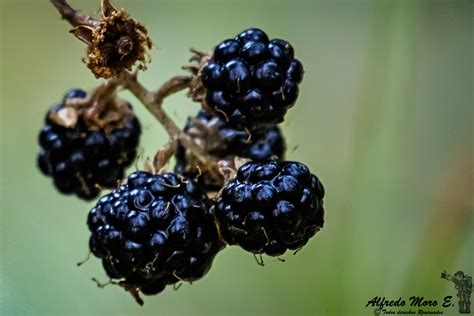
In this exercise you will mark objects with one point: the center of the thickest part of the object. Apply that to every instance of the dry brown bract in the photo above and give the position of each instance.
(197, 91)
(115, 43)
(101, 110)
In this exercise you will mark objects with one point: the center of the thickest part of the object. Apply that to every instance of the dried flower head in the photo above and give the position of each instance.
(115, 43)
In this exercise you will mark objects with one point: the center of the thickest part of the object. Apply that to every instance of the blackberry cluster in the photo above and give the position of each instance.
(154, 231)
(80, 160)
(252, 81)
(229, 141)
(271, 207)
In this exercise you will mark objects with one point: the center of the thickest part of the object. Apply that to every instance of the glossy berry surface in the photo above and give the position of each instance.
(154, 231)
(270, 207)
(257, 146)
(252, 81)
(80, 160)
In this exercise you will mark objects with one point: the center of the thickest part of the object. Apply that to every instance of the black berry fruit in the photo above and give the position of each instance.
(154, 231)
(222, 141)
(270, 207)
(252, 81)
(80, 160)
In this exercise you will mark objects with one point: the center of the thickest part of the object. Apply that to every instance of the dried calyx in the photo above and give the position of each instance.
(114, 44)
(197, 91)
(101, 110)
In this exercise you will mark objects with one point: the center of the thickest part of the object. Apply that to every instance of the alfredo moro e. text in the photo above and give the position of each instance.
(414, 301)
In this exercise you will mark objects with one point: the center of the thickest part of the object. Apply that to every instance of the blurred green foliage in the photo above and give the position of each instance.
(385, 118)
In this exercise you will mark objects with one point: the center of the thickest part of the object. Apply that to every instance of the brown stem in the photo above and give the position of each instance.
(72, 16)
(102, 95)
(154, 101)
(171, 86)
(151, 101)
(83, 26)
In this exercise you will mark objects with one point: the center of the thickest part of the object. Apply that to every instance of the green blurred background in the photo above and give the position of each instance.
(385, 118)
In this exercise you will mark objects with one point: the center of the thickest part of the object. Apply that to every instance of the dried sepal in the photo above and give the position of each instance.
(163, 156)
(148, 166)
(197, 91)
(107, 8)
(83, 33)
(207, 135)
(107, 115)
(66, 117)
(239, 162)
(102, 109)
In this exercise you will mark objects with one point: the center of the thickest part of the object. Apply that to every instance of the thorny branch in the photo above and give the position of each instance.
(151, 100)
(72, 16)
(77, 20)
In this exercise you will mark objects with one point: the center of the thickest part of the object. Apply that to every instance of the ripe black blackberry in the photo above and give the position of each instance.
(81, 160)
(252, 81)
(271, 207)
(223, 141)
(154, 231)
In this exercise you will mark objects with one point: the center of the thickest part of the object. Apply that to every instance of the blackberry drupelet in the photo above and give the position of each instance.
(81, 160)
(252, 81)
(270, 207)
(154, 231)
(74, 93)
(224, 141)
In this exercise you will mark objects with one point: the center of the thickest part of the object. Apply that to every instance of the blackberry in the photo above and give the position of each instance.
(252, 81)
(74, 93)
(81, 160)
(270, 207)
(154, 231)
(224, 141)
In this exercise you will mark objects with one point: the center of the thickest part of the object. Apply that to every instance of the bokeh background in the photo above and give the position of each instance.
(385, 118)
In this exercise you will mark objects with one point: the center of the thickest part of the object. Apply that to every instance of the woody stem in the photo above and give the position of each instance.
(102, 95)
(151, 100)
(72, 16)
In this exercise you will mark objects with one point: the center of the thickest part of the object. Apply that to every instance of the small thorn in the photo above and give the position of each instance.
(178, 277)
(80, 263)
(199, 172)
(282, 94)
(266, 236)
(259, 259)
(176, 286)
(102, 285)
(237, 230)
(249, 138)
(225, 115)
(297, 250)
(133, 291)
